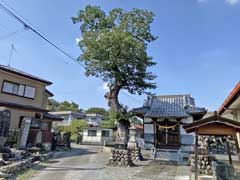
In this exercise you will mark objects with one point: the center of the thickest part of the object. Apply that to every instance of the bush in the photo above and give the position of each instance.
(74, 137)
(74, 128)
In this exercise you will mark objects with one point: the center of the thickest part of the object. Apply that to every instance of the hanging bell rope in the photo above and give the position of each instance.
(168, 127)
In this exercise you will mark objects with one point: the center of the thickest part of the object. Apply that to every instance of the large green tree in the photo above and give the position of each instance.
(54, 105)
(114, 48)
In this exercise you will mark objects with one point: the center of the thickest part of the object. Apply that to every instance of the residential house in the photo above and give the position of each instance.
(97, 135)
(94, 119)
(163, 118)
(231, 105)
(68, 117)
(25, 96)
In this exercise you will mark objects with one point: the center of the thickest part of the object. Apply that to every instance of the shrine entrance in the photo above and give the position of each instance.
(167, 134)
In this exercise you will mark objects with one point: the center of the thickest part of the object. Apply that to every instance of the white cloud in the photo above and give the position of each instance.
(105, 87)
(232, 2)
(77, 40)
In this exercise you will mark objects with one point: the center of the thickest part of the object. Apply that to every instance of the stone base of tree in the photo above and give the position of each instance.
(136, 154)
(120, 157)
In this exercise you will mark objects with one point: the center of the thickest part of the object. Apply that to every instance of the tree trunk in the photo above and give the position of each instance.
(112, 97)
(123, 125)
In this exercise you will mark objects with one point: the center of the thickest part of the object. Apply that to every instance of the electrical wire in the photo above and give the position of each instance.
(12, 34)
(28, 26)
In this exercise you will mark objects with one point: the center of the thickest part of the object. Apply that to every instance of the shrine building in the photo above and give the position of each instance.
(163, 119)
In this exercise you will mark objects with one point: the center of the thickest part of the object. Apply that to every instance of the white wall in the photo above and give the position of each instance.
(98, 139)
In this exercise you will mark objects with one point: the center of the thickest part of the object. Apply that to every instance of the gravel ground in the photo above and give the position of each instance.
(89, 163)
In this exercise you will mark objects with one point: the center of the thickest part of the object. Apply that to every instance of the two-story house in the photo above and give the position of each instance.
(25, 96)
(68, 117)
(94, 119)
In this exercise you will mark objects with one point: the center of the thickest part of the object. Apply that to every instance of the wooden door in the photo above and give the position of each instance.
(168, 137)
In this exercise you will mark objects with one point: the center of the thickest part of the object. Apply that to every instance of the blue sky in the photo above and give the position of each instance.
(198, 49)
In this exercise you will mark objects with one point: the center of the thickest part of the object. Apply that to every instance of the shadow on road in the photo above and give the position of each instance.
(75, 151)
(68, 168)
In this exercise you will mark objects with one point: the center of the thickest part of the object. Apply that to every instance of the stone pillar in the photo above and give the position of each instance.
(24, 131)
(135, 151)
(132, 143)
(5, 117)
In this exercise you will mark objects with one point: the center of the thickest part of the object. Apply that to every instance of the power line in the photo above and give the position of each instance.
(12, 34)
(28, 26)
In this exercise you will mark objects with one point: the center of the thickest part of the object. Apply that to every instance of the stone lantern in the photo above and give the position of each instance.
(132, 143)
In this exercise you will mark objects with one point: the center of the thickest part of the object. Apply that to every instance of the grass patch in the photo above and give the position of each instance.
(29, 172)
(25, 174)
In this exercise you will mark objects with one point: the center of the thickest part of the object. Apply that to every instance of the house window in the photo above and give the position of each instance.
(105, 133)
(92, 133)
(18, 89)
(29, 92)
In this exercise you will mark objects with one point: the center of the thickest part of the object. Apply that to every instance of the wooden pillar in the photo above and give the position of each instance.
(155, 133)
(196, 154)
(229, 151)
(237, 144)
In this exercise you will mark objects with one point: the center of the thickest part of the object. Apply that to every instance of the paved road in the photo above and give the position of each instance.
(89, 163)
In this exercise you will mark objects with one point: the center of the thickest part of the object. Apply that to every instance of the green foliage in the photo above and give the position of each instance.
(122, 114)
(97, 110)
(109, 123)
(74, 127)
(12, 139)
(54, 105)
(74, 137)
(114, 47)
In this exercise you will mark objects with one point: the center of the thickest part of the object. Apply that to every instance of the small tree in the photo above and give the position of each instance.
(97, 110)
(114, 48)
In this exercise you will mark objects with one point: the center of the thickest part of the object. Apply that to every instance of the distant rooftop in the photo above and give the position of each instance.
(167, 106)
(23, 74)
(94, 115)
(73, 113)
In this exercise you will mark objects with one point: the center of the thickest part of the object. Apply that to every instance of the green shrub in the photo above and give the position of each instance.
(74, 137)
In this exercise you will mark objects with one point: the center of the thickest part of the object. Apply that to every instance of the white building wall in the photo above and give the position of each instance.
(187, 139)
(98, 139)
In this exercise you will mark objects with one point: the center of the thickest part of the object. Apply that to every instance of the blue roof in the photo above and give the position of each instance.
(167, 106)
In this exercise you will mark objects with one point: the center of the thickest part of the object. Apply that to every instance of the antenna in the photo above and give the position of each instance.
(11, 53)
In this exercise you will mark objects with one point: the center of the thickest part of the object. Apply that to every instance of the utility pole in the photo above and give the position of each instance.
(11, 53)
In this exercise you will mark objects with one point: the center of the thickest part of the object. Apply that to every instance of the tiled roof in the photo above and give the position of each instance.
(214, 119)
(49, 92)
(52, 117)
(234, 93)
(21, 106)
(194, 110)
(23, 74)
(175, 106)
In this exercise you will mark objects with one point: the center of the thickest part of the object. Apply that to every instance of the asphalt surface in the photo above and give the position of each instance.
(90, 163)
